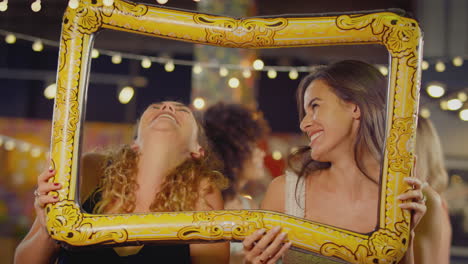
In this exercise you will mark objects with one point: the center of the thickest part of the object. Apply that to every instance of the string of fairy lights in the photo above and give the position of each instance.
(452, 102)
(14, 144)
(36, 5)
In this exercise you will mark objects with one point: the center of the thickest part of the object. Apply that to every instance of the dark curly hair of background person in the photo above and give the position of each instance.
(233, 129)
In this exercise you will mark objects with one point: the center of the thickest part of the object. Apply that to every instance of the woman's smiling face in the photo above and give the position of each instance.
(330, 123)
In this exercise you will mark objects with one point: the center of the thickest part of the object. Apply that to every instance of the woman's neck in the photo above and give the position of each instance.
(344, 175)
(153, 166)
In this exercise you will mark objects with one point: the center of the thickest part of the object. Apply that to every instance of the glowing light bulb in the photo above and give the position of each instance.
(10, 39)
(146, 63)
(36, 6)
(73, 4)
(25, 147)
(95, 54)
(440, 66)
(276, 155)
(162, 2)
(126, 94)
(38, 46)
(293, 74)
(454, 104)
(199, 103)
(435, 90)
(10, 145)
(4, 6)
(246, 73)
(425, 113)
(258, 64)
(234, 82)
(272, 74)
(116, 59)
(383, 70)
(457, 61)
(197, 69)
(223, 72)
(464, 114)
(425, 65)
(169, 66)
(35, 152)
(50, 91)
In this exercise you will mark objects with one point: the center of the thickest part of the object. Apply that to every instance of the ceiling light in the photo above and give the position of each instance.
(116, 59)
(276, 155)
(383, 70)
(126, 94)
(223, 72)
(169, 66)
(95, 54)
(464, 114)
(10, 39)
(50, 91)
(197, 68)
(440, 66)
(36, 6)
(272, 73)
(425, 65)
(293, 74)
(435, 90)
(234, 82)
(38, 46)
(454, 104)
(425, 113)
(258, 64)
(199, 103)
(457, 61)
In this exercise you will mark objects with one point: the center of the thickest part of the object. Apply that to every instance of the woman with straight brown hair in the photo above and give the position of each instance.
(434, 232)
(335, 179)
(167, 168)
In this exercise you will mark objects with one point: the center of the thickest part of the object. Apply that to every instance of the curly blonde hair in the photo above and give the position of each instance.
(180, 190)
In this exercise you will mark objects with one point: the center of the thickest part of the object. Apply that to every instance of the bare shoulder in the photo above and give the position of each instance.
(274, 197)
(210, 197)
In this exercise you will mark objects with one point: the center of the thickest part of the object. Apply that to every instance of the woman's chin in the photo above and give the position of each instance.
(316, 155)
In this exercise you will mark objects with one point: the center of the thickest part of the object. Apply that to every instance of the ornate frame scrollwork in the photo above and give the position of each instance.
(402, 38)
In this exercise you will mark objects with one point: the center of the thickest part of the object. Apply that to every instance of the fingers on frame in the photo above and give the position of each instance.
(45, 188)
(418, 207)
(42, 200)
(274, 247)
(415, 182)
(412, 194)
(279, 253)
(249, 241)
(265, 241)
(45, 176)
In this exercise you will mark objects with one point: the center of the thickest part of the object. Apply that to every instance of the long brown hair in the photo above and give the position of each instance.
(361, 84)
(431, 167)
(180, 190)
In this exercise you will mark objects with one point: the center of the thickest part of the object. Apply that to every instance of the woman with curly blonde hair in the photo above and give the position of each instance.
(167, 168)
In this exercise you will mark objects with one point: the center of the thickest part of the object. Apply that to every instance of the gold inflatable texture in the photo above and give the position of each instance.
(402, 38)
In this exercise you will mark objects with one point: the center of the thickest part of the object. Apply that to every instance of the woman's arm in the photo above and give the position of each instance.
(267, 247)
(213, 253)
(433, 234)
(38, 246)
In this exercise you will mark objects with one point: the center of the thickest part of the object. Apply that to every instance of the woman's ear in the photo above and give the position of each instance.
(356, 114)
(198, 153)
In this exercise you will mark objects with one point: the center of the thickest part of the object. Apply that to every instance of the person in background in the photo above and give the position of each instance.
(434, 232)
(235, 132)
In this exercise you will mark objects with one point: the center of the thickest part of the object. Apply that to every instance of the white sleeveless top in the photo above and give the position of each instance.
(294, 198)
(294, 205)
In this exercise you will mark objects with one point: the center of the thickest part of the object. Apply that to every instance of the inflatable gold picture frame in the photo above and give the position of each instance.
(66, 222)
